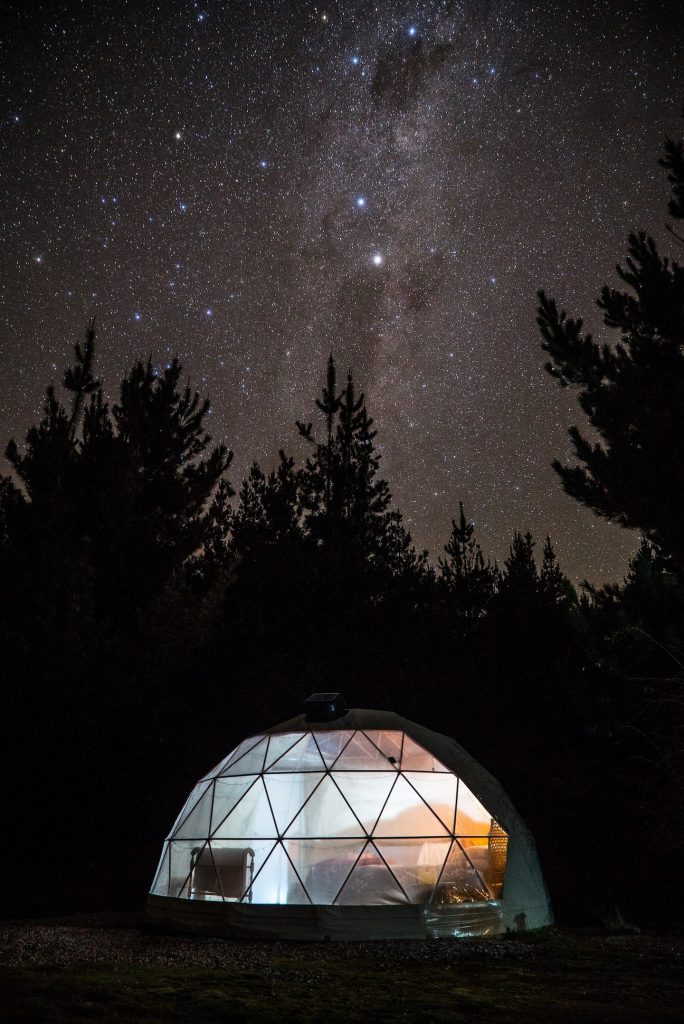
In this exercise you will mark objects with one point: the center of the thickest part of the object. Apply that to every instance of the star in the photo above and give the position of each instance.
(360, 201)
(378, 259)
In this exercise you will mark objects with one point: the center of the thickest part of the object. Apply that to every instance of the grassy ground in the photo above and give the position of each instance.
(552, 977)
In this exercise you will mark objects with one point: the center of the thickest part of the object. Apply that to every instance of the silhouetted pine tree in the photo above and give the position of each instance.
(520, 576)
(632, 392)
(268, 510)
(470, 580)
(344, 501)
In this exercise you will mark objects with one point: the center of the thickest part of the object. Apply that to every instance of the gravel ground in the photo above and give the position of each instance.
(125, 939)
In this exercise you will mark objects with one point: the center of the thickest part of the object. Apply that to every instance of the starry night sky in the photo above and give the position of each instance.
(250, 185)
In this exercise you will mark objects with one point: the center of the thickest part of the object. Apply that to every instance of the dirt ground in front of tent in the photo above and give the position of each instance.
(112, 968)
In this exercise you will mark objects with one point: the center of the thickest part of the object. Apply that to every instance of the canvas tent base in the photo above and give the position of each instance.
(302, 923)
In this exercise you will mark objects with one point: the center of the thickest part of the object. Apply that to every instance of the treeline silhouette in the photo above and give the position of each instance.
(150, 617)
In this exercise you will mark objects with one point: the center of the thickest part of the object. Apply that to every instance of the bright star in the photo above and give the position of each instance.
(378, 259)
(183, 207)
(360, 201)
(208, 312)
(413, 31)
(178, 136)
(137, 316)
(263, 164)
(38, 259)
(355, 59)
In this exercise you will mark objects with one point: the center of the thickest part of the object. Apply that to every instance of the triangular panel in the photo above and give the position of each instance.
(181, 855)
(438, 790)
(415, 863)
(160, 886)
(332, 743)
(251, 762)
(460, 882)
(415, 758)
(371, 882)
(366, 793)
(228, 791)
(472, 819)
(196, 825)
(288, 792)
(388, 741)
(361, 755)
(279, 744)
(241, 749)
(302, 757)
(323, 864)
(197, 793)
(405, 814)
(277, 882)
(250, 818)
(326, 815)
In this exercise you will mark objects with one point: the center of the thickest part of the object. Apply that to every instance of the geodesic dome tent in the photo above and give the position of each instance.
(366, 826)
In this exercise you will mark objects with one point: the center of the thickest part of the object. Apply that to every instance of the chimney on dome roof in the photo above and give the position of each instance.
(324, 707)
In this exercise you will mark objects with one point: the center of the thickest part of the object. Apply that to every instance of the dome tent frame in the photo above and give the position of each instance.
(410, 870)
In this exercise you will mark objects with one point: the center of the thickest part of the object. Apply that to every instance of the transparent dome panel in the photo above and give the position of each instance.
(366, 793)
(304, 756)
(251, 818)
(371, 882)
(406, 815)
(279, 745)
(460, 882)
(197, 823)
(361, 755)
(196, 793)
(415, 758)
(323, 864)
(415, 863)
(331, 744)
(241, 749)
(472, 819)
(288, 792)
(277, 882)
(325, 815)
(438, 791)
(228, 792)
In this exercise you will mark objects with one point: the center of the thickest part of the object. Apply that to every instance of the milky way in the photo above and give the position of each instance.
(253, 185)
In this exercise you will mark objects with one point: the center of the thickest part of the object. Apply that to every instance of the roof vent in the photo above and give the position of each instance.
(324, 707)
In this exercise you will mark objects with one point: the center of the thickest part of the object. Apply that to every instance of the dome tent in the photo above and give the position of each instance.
(364, 826)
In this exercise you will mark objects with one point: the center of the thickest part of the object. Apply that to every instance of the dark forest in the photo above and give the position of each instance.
(152, 613)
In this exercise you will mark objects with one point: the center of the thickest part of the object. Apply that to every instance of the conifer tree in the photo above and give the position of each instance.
(117, 498)
(554, 586)
(344, 502)
(468, 577)
(631, 391)
(520, 570)
(267, 514)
